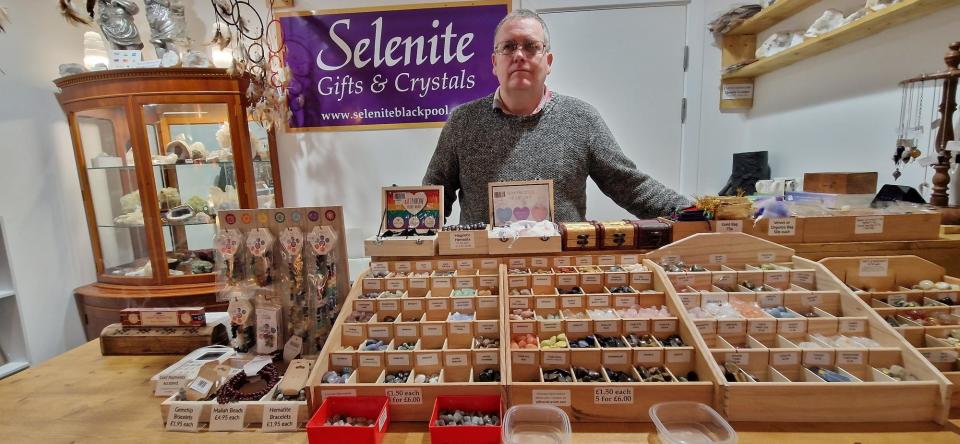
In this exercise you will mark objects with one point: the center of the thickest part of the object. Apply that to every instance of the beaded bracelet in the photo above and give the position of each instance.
(230, 392)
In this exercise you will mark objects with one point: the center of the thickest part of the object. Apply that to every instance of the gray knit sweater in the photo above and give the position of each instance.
(567, 141)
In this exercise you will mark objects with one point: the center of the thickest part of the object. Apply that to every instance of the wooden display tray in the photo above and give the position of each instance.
(600, 401)
(116, 340)
(443, 347)
(890, 278)
(773, 399)
(254, 409)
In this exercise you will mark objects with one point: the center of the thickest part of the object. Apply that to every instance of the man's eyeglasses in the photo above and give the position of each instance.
(530, 48)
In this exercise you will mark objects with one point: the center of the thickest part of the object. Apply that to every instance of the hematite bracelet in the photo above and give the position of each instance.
(230, 392)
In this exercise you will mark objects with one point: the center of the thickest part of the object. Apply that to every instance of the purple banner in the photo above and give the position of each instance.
(358, 69)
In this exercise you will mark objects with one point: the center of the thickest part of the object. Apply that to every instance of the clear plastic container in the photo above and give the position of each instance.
(684, 422)
(536, 424)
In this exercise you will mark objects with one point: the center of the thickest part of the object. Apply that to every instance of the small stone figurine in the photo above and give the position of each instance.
(167, 24)
(116, 21)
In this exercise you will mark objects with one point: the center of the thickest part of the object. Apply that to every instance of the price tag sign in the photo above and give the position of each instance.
(227, 417)
(782, 226)
(183, 417)
(868, 225)
(405, 396)
(729, 226)
(613, 395)
(280, 417)
(552, 397)
(873, 267)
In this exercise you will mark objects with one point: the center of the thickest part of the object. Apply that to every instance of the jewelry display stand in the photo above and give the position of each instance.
(159, 152)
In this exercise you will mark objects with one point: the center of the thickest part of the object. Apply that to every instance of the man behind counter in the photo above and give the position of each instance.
(524, 131)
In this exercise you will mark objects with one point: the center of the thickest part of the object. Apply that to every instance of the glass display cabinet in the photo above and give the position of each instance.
(159, 152)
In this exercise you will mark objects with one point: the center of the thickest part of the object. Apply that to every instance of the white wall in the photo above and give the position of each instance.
(39, 192)
(834, 112)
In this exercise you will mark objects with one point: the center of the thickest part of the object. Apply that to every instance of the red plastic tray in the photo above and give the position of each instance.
(466, 434)
(374, 407)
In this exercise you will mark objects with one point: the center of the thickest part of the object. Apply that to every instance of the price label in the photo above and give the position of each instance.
(629, 259)
(488, 302)
(456, 360)
(183, 417)
(489, 264)
(682, 281)
(543, 280)
(852, 325)
(591, 279)
(464, 282)
(423, 266)
(227, 417)
(729, 226)
(432, 329)
(484, 357)
(664, 325)
(571, 301)
(489, 282)
(341, 360)
(367, 360)
(813, 299)
(613, 395)
(689, 300)
(551, 326)
(487, 328)
(873, 267)
(398, 359)
(379, 331)
(791, 326)
(412, 305)
(730, 327)
(803, 276)
(615, 357)
(770, 299)
(521, 302)
(438, 304)
(567, 280)
(428, 359)
(460, 304)
(636, 325)
(616, 279)
(850, 357)
(554, 358)
(670, 259)
(463, 240)
(785, 358)
(757, 327)
(782, 226)
(552, 397)
(404, 267)
(578, 326)
(940, 357)
(598, 300)
(641, 278)
(442, 282)
(405, 396)
(519, 282)
(380, 267)
(606, 326)
(817, 358)
(765, 256)
(712, 298)
(738, 358)
(395, 284)
(607, 260)
(538, 262)
(642, 356)
(372, 284)
(624, 301)
(418, 283)
(525, 358)
(324, 394)
(459, 328)
(517, 262)
(717, 259)
(674, 355)
(706, 326)
(446, 265)
(868, 225)
(546, 302)
(389, 305)
(561, 261)
(521, 327)
(581, 261)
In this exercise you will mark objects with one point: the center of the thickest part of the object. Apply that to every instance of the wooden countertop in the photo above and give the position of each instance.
(81, 397)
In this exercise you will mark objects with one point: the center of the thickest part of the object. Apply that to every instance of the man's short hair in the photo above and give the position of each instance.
(518, 14)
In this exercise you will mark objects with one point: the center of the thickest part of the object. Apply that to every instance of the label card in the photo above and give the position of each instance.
(613, 395)
(782, 226)
(873, 267)
(227, 417)
(552, 397)
(729, 226)
(183, 417)
(868, 225)
(404, 396)
(279, 417)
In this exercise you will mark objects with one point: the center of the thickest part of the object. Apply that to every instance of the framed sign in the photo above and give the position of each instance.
(521, 200)
(419, 208)
(388, 67)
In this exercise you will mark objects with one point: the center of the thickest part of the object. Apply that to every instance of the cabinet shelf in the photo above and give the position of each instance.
(175, 165)
(163, 225)
(770, 16)
(12, 367)
(739, 44)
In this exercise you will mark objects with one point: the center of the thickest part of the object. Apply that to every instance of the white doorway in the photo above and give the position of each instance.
(627, 60)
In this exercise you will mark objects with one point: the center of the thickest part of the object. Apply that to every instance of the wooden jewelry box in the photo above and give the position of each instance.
(579, 236)
(412, 217)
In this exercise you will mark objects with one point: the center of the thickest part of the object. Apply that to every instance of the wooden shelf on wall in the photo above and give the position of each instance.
(770, 16)
(739, 45)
